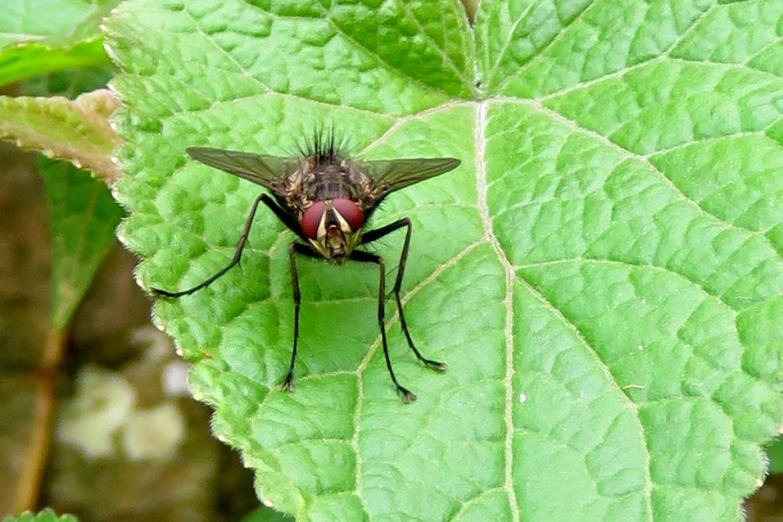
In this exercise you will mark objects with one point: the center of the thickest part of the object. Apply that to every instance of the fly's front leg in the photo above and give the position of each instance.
(293, 249)
(374, 235)
(366, 257)
(237, 253)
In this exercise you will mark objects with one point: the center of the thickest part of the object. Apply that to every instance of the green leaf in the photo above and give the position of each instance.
(603, 273)
(775, 456)
(74, 130)
(69, 83)
(42, 36)
(47, 515)
(264, 514)
(82, 216)
(31, 59)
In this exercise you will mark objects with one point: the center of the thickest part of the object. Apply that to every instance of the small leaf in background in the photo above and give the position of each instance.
(34, 40)
(265, 514)
(83, 217)
(775, 456)
(602, 274)
(74, 130)
(27, 60)
(70, 83)
(47, 515)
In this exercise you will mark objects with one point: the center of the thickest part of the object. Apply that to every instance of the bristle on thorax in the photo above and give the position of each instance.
(323, 147)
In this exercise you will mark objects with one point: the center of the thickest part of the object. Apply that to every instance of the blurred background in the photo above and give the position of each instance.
(96, 417)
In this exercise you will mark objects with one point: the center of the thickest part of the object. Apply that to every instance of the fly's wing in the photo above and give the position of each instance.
(386, 176)
(264, 170)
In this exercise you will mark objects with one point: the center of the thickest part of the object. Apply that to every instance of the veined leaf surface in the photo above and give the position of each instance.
(602, 274)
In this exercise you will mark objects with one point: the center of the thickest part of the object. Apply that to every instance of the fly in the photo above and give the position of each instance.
(325, 198)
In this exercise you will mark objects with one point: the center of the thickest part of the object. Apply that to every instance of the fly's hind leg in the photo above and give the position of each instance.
(405, 394)
(376, 234)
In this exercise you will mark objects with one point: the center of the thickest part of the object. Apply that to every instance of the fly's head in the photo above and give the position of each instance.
(333, 227)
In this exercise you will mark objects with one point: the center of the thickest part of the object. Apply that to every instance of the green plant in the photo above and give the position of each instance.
(603, 274)
(47, 515)
(37, 58)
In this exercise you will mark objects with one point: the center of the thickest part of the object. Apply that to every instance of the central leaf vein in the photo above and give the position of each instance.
(486, 219)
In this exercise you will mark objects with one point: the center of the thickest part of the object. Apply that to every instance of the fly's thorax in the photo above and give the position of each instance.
(333, 227)
(321, 179)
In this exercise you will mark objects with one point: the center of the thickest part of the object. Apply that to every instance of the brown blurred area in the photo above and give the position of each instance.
(157, 461)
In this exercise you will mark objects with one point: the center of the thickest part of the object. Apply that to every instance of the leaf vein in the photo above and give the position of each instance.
(632, 406)
(473, 500)
(549, 44)
(396, 70)
(446, 59)
(486, 219)
(630, 155)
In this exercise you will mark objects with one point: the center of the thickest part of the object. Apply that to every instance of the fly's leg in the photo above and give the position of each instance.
(269, 202)
(366, 257)
(293, 249)
(234, 261)
(376, 234)
(288, 221)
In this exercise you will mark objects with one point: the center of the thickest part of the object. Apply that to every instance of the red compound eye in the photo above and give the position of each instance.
(350, 212)
(311, 219)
